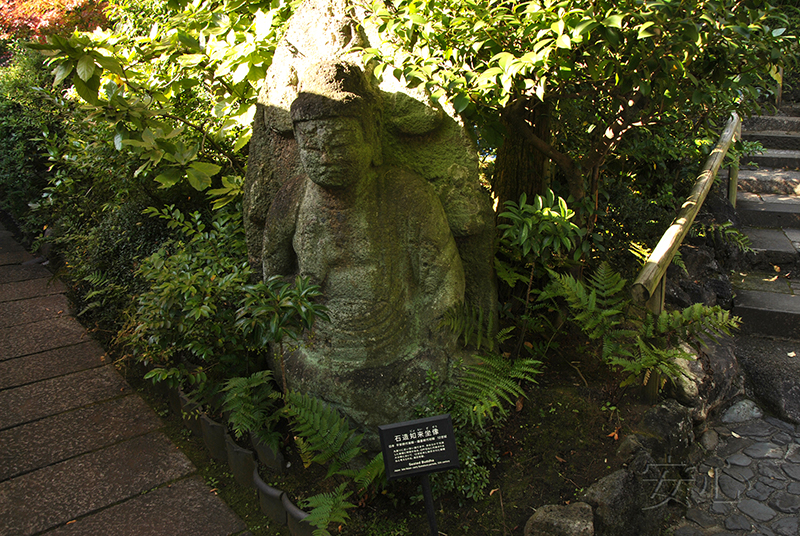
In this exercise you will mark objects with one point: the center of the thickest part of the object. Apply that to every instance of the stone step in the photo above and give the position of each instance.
(768, 210)
(770, 181)
(774, 158)
(768, 313)
(779, 123)
(774, 139)
(773, 247)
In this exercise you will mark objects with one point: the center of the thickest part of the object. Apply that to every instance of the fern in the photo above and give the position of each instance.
(327, 508)
(468, 323)
(251, 403)
(492, 385)
(371, 473)
(324, 430)
(634, 343)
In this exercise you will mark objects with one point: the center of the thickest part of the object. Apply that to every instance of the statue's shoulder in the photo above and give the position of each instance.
(404, 183)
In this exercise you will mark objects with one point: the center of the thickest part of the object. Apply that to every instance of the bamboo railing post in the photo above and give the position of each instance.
(733, 170)
(659, 260)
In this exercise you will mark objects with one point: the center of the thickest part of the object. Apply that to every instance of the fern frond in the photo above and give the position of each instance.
(468, 323)
(489, 386)
(372, 472)
(324, 430)
(327, 508)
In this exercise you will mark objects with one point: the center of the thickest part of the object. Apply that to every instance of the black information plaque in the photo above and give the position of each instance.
(418, 447)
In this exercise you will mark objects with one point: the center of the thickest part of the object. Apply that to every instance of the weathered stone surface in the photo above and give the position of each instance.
(708, 381)
(785, 502)
(373, 194)
(40, 336)
(53, 439)
(788, 526)
(774, 376)
(742, 411)
(792, 469)
(30, 288)
(186, 507)
(16, 313)
(49, 364)
(700, 517)
(731, 487)
(574, 519)
(56, 494)
(765, 450)
(737, 522)
(618, 501)
(666, 429)
(11, 273)
(757, 510)
(50, 397)
(739, 459)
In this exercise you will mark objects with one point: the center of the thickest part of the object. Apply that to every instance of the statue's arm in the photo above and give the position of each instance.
(278, 253)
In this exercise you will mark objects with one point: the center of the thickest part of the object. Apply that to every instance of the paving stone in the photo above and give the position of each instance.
(38, 337)
(742, 474)
(739, 459)
(742, 411)
(35, 445)
(10, 274)
(688, 530)
(50, 397)
(794, 488)
(772, 483)
(785, 502)
(52, 363)
(15, 313)
(30, 288)
(782, 438)
(721, 508)
(756, 510)
(730, 487)
(65, 491)
(793, 453)
(709, 440)
(765, 450)
(788, 526)
(733, 445)
(14, 257)
(762, 530)
(771, 470)
(760, 491)
(187, 507)
(700, 517)
(737, 522)
(756, 430)
(792, 469)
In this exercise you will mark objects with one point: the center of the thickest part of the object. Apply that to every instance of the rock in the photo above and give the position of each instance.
(757, 510)
(708, 381)
(742, 411)
(666, 430)
(619, 500)
(773, 375)
(575, 519)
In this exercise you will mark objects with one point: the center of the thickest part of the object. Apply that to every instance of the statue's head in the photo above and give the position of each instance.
(335, 120)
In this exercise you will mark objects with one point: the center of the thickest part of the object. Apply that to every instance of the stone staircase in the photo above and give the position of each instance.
(768, 205)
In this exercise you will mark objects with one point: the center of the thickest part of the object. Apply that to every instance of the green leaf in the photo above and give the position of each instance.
(61, 72)
(206, 167)
(645, 30)
(614, 21)
(460, 102)
(199, 180)
(563, 41)
(88, 89)
(86, 67)
(170, 177)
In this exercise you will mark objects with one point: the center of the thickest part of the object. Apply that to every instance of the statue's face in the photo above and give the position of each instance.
(334, 151)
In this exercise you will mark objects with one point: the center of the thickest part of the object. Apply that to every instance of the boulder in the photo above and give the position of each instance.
(575, 519)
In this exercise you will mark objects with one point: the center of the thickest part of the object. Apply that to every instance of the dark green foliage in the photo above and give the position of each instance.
(327, 508)
(326, 433)
(636, 341)
(469, 325)
(251, 406)
(722, 233)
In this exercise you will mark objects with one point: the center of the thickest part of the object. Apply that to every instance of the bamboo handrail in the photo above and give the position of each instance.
(656, 265)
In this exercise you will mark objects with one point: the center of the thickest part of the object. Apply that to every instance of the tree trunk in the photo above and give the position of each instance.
(521, 168)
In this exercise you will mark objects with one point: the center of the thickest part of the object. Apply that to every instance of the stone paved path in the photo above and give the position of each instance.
(750, 482)
(80, 452)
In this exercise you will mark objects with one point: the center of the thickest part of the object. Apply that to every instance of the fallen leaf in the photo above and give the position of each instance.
(492, 492)
(562, 460)
(519, 402)
(792, 354)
